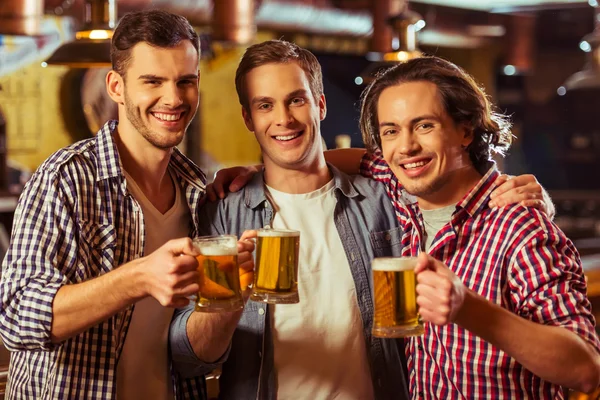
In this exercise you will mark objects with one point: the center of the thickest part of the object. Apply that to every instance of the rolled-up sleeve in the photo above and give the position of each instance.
(42, 253)
(186, 362)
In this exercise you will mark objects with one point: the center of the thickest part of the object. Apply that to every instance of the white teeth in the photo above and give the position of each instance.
(289, 137)
(168, 117)
(415, 164)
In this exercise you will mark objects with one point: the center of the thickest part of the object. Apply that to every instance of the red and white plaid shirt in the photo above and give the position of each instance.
(513, 256)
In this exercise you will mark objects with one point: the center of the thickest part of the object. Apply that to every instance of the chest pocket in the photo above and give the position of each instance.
(387, 243)
(96, 250)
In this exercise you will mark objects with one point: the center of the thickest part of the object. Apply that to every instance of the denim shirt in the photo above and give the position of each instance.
(367, 225)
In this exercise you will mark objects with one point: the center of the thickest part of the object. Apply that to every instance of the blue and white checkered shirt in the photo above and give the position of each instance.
(75, 221)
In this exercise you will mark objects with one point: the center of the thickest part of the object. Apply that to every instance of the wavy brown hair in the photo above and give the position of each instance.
(462, 98)
(156, 27)
(278, 52)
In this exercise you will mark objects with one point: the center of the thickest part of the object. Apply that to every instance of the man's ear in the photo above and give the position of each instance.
(322, 107)
(115, 87)
(468, 135)
(247, 119)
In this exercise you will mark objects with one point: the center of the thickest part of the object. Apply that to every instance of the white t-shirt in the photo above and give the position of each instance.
(319, 345)
(143, 368)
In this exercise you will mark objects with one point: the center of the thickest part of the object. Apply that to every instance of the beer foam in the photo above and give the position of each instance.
(278, 233)
(216, 250)
(394, 263)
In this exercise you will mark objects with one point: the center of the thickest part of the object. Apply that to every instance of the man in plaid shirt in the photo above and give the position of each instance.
(95, 267)
(501, 290)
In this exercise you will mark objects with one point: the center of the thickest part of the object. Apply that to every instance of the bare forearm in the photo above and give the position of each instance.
(346, 160)
(552, 353)
(81, 306)
(210, 334)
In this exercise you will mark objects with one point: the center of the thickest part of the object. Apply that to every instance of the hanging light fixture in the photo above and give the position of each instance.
(589, 77)
(91, 47)
(405, 26)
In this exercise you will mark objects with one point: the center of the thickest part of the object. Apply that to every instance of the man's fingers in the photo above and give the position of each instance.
(240, 181)
(211, 193)
(182, 246)
(183, 263)
(244, 258)
(539, 204)
(193, 287)
(247, 266)
(503, 184)
(249, 234)
(218, 184)
(245, 246)
(186, 279)
(530, 191)
(422, 263)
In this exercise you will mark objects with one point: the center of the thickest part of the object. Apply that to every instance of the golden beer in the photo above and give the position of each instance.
(276, 268)
(219, 274)
(394, 286)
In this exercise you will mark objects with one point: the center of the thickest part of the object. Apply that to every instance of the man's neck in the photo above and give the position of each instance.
(297, 181)
(458, 184)
(146, 164)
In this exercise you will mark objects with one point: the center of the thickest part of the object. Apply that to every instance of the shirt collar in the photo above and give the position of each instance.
(109, 163)
(473, 202)
(478, 197)
(254, 192)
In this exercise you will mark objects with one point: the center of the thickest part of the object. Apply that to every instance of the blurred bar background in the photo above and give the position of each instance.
(539, 61)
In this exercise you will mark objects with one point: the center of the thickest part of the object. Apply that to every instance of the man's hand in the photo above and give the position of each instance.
(230, 179)
(523, 189)
(170, 273)
(440, 294)
(246, 261)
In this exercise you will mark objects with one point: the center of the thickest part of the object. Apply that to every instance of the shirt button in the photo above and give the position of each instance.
(261, 311)
(352, 256)
(420, 394)
(420, 347)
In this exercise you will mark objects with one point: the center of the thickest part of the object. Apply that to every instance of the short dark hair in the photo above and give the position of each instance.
(155, 27)
(462, 99)
(282, 52)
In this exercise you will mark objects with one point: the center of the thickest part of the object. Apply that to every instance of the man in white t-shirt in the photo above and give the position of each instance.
(321, 347)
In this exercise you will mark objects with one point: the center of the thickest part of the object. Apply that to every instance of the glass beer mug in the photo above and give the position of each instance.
(395, 293)
(219, 274)
(276, 268)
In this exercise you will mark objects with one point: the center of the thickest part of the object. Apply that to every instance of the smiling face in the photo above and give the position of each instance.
(422, 144)
(284, 115)
(158, 96)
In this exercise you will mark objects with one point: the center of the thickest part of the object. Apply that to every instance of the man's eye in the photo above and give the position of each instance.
(298, 101)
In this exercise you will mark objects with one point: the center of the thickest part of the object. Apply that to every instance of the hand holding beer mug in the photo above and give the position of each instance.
(394, 287)
(219, 274)
(276, 269)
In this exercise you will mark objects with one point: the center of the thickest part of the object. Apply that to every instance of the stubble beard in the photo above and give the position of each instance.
(134, 115)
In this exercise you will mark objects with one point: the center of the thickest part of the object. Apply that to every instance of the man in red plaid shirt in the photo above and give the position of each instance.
(501, 290)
